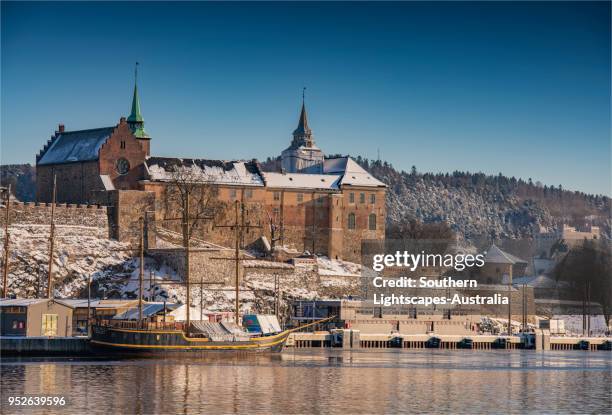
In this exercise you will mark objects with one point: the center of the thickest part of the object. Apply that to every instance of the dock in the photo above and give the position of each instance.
(44, 346)
(353, 339)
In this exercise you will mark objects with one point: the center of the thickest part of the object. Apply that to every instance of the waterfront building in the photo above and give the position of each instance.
(32, 317)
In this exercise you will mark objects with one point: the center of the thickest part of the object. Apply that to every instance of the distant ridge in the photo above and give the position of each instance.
(476, 204)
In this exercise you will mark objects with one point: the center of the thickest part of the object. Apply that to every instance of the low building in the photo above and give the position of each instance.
(500, 267)
(33, 317)
(107, 309)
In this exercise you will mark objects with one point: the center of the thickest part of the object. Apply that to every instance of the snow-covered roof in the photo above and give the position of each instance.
(107, 182)
(72, 146)
(148, 309)
(497, 256)
(302, 180)
(180, 313)
(115, 303)
(205, 171)
(21, 302)
(352, 173)
(77, 303)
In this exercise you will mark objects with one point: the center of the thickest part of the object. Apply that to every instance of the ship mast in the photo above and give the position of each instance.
(52, 239)
(237, 227)
(141, 273)
(6, 244)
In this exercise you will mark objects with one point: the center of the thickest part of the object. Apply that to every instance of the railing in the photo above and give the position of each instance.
(144, 325)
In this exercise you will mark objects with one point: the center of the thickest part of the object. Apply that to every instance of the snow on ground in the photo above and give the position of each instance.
(337, 267)
(81, 252)
(573, 324)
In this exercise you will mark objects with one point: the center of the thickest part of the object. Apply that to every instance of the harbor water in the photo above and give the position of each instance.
(320, 381)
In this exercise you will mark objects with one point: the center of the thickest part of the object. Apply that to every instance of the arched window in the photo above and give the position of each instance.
(372, 222)
(351, 221)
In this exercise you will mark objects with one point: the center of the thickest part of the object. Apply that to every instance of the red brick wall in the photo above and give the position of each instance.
(329, 211)
(132, 150)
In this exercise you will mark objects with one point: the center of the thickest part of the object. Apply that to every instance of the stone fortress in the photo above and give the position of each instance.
(325, 206)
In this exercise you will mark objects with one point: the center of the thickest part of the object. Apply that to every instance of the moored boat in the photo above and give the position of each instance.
(153, 339)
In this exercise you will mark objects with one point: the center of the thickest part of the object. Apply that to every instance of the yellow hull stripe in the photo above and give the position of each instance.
(193, 347)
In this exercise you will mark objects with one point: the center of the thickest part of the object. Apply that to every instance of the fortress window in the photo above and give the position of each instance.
(123, 144)
(351, 197)
(300, 197)
(361, 197)
(373, 198)
(351, 220)
(276, 195)
(372, 222)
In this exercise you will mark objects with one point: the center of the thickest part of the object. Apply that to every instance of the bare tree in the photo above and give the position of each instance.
(276, 229)
(587, 268)
(191, 196)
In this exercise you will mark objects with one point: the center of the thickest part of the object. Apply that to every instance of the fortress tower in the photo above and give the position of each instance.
(302, 156)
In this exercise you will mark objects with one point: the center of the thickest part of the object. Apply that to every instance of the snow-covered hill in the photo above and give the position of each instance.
(81, 252)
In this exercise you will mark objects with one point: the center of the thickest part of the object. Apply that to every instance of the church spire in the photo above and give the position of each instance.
(135, 119)
(302, 135)
(302, 156)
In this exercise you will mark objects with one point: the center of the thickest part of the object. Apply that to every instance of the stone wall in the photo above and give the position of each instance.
(204, 265)
(65, 214)
(125, 208)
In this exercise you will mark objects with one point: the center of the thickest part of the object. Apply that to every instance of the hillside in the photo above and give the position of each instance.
(475, 204)
(22, 178)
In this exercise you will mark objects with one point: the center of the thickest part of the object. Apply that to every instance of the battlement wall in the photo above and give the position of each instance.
(65, 214)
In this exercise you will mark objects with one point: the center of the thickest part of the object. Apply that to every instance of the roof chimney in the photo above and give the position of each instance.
(61, 128)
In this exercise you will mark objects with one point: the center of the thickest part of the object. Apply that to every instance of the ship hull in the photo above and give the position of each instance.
(131, 341)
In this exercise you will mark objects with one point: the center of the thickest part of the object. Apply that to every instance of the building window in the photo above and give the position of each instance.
(373, 198)
(249, 193)
(351, 221)
(361, 197)
(123, 144)
(49, 325)
(276, 211)
(276, 195)
(233, 193)
(372, 222)
(351, 197)
(122, 166)
(300, 197)
(319, 201)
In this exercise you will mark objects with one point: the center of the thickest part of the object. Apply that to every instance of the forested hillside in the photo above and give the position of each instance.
(475, 204)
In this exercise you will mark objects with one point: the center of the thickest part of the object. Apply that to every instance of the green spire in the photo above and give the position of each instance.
(135, 115)
(135, 119)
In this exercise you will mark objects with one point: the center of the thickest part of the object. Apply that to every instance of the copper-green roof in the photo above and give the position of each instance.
(135, 115)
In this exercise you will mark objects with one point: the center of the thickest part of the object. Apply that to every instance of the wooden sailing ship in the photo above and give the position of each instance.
(151, 340)
(143, 337)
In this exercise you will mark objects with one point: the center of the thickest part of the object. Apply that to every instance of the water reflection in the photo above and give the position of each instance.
(323, 381)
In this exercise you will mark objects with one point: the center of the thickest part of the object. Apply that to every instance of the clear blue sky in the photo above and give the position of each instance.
(519, 88)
